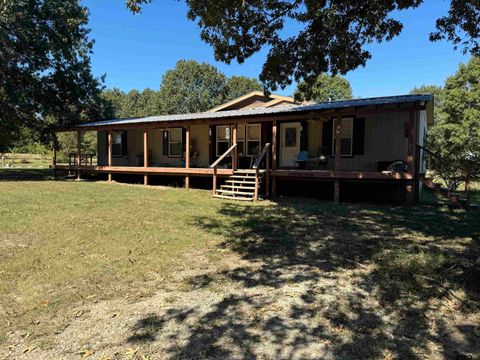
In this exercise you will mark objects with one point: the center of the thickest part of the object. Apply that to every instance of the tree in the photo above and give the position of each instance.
(45, 70)
(237, 86)
(191, 87)
(333, 37)
(438, 97)
(325, 88)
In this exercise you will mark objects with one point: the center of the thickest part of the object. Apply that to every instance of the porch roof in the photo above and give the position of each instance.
(262, 111)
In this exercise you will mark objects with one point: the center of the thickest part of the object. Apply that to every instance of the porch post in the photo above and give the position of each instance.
(79, 153)
(410, 161)
(338, 148)
(234, 142)
(109, 140)
(187, 155)
(54, 154)
(145, 155)
(274, 156)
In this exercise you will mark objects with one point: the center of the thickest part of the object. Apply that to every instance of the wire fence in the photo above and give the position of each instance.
(19, 160)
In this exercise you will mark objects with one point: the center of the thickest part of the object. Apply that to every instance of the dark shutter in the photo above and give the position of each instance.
(327, 134)
(304, 136)
(358, 136)
(124, 143)
(165, 142)
(213, 156)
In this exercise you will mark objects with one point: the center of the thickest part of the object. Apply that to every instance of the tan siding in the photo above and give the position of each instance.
(200, 137)
(314, 136)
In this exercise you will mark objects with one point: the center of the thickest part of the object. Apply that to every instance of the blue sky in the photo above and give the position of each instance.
(135, 50)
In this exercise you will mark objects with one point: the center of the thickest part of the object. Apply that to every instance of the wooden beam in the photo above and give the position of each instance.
(109, 155)
(146, 160)
(410, 190)
(274, 146)
(79, 153)
(174, 171)
(234, 152)
(187, 155)
(338, 145)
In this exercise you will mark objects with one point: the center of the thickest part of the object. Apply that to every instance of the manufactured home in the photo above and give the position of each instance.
(257, 145)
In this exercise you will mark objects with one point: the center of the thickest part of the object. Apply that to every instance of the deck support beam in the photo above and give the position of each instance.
(79, 153)
(146, 160)
(338, 149)
(410, 184)
(109, 141)
(187, 155)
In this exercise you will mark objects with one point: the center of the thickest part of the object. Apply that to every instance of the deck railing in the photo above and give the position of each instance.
(214, 166)
(256, 167)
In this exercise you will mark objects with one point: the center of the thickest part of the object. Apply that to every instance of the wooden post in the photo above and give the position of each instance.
(146, 160)
(79, 153)
(338, 142)
(214, 180)
(109, 139)
(54, 154)
(274, 145)
(234, 142)
(187, 156)
(338, 150)
(255, 194)
(336, 191)
(274, 156)
(267, 175)
(410, 194)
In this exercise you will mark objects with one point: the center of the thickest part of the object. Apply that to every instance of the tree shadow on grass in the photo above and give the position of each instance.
(348, 281)
(26, 174)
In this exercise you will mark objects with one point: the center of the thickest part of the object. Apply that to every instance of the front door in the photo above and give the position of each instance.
(289, 143)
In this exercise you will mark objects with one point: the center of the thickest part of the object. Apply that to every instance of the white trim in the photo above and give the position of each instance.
(228, 141)
(175, 142)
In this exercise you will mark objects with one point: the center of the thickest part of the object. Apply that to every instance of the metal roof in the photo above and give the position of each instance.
(279, 110)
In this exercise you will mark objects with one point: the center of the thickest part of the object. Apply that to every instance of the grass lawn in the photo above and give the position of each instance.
(98, 270)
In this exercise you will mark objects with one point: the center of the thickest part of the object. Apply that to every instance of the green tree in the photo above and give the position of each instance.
(45, 70)
(191, 87)
(455, 138)
(237, 86)
(333, 35)
(325, 88)
(437, 92)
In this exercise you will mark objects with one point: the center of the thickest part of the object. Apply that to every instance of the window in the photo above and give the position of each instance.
(290, 137)
(175, 142)
(346, 137)
(253, 132)
(223, 139)
(117, 143)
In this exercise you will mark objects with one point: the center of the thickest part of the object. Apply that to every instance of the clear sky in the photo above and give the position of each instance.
(135, 50)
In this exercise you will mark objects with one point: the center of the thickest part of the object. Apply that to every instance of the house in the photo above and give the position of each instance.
(250, 145)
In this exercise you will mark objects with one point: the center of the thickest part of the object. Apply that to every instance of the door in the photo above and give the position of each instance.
(289, 143)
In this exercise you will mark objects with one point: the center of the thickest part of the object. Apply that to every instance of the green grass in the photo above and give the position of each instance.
(65, 244)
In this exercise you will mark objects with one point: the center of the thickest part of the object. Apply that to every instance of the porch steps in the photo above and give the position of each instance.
(436, 187)
(240, 186)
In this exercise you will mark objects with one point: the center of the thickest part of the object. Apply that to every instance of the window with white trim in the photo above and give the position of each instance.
(175, 142)
(346, 137)
(117, 146)
(253, 136)
(223, 139)
(241, 140)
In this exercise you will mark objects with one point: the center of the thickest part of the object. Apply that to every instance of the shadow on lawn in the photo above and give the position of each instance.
(25, 174)
(365, 280)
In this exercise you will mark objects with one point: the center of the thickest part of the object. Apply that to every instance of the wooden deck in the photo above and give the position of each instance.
(278, 173)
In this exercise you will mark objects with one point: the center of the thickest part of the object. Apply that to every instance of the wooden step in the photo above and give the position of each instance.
(243, 177)
(234, 192)
(241, 182)
(238, 187)
(233, 198)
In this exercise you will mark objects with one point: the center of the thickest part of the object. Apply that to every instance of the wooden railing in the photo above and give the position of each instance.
(257, 171)
(214, 166)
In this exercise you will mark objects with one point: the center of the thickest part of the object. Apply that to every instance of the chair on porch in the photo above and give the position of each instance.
(306, 161)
